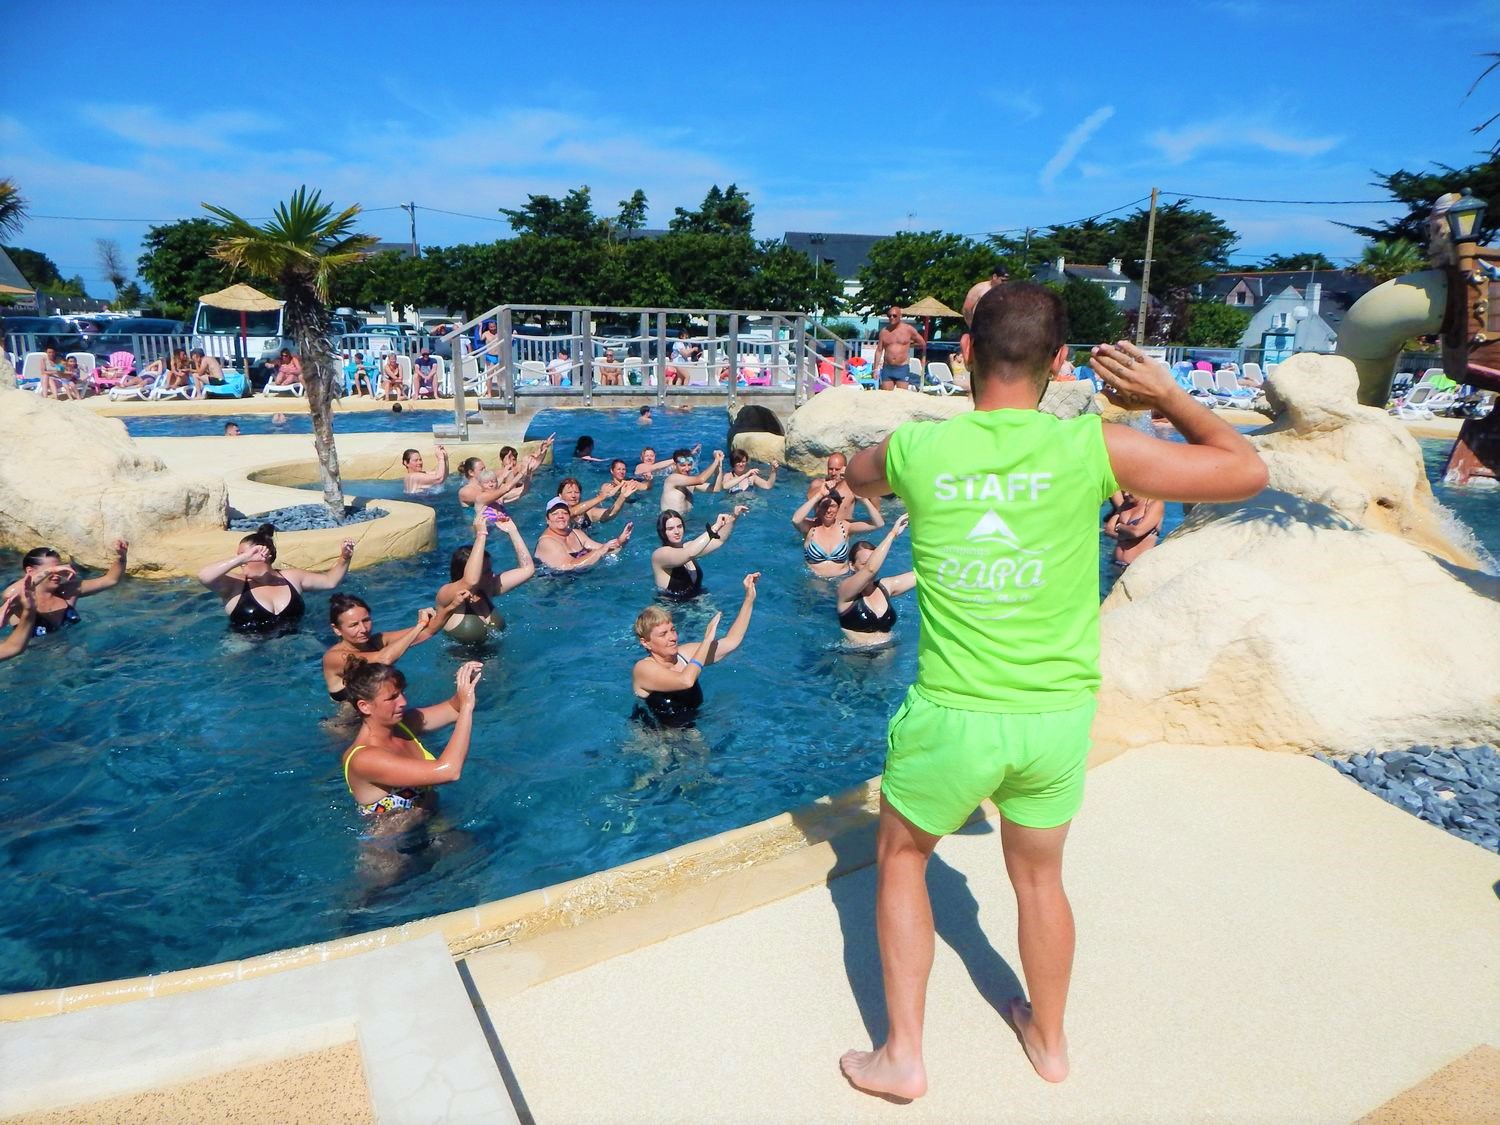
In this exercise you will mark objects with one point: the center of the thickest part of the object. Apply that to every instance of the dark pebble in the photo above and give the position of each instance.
(1456, 790)
(304, 517)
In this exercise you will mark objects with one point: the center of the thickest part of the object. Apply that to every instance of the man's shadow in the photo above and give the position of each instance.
(955, 915)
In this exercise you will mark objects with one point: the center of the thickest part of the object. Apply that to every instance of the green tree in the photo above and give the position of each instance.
(915, 264)
(39, 270)
(179, 265)
(129, 296)
(1092, 316)
(12, 208)
(1382, 261)
(723, 212)
(1189, 246)
(572, 216)
(1307, 260)
(1213, 324)
(1417, 191)
(302, 246)
(786, 278)
(632, 212)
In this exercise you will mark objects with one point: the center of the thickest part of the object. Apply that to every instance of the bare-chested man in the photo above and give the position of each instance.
(893, 351)
(677, 490)
(205, 372)
(833, 485)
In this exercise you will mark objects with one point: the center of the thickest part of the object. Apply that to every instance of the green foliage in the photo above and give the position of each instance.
(844, 329)
(1308, 260)
(179, 266)
(39, 270)
(546, 216)
(129, 296)
(12, 208)
(1382, 261)
(632, 214)
(1213, 324)
(723, 212)
(911, 265)
(1419, 190)
(1092, 316)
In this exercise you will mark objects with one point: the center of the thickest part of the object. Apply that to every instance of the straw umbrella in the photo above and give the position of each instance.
(927, 308)
(242, 299)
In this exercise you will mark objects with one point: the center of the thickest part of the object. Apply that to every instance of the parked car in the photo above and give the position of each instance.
(123, 335)
(43, 332)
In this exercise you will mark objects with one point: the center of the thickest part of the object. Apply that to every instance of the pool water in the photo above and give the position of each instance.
(297, 421)
(174, 797)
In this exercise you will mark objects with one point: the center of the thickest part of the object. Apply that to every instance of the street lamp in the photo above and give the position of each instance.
(1464, 217)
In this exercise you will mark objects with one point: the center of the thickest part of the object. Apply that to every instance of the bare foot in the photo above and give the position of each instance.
(874, 1073)
(1054, 1066)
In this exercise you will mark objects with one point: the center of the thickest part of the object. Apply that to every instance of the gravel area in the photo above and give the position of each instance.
(304, 517)
(1457, 790)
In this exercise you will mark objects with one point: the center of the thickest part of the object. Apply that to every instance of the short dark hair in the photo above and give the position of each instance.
(407, 454)
(620, 461)
(339, 604)
(1016, 330)
(364, 680)
(460, 561)
(682, 454)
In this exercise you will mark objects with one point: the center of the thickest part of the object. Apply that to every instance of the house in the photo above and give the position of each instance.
(1126, 294)
(1293, 310)
(14, 285)
(846, 253)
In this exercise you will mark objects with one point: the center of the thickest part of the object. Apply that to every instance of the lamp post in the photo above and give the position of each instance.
(1465, 217)
(1471, 336)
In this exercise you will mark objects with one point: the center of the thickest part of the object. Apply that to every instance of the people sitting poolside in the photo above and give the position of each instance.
(665, 680)
(674, 564)
(472, 572)
(424, 371)
(418, 477)
(54, 381)
(357, 375)
(57, 588)
(288, 369)
(262, 598)
(865, 610)
(562, 547)
(390, 774)
(392, 382)
(825, 537)
(206, 371)
(611, 374)
(358, 643)
(559, 371)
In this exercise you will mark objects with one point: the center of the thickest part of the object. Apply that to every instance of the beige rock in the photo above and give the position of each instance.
(844, 419)
(76, 481)
(761, 446)
(1328, 613)
(7, 372)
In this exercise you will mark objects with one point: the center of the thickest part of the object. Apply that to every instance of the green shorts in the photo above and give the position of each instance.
(942, 761)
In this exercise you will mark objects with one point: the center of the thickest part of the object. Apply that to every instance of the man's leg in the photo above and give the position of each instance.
(1033, 859)
(903, 921)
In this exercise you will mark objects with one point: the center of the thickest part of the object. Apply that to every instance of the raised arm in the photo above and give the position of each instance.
(525, 567)
(766, 482)
(695, 479)
(325, 579)
(875, 521)
(718, 650)
(866, 473)
(385, 768)
(802, 517)
(859, 578)
(216, 575)
(1216, 465)
(439, 474)
(23, 605)
(110, 577)
(474, 568)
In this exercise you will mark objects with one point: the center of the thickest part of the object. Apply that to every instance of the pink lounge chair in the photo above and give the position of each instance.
(107, 376)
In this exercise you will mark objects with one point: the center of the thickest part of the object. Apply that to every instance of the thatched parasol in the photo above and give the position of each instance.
(927, 308)
(242, 299)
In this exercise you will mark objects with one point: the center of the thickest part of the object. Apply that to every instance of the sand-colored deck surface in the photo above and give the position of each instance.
(324, 1086)
(1259, 940)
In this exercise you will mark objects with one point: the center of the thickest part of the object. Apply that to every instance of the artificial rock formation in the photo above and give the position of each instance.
(845, 419)
(1332, 612)
(75, 481)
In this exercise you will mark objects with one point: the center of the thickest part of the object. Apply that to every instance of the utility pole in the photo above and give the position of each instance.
(1026, 253)
(1140, 316)
(411, 210)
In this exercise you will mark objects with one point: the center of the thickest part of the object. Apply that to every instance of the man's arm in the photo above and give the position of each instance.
(866, 472)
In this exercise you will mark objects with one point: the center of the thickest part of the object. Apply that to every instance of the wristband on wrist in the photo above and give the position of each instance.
(697, 662)
(709, 529)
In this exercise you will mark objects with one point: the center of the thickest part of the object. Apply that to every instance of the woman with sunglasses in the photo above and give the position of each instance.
(57, 588)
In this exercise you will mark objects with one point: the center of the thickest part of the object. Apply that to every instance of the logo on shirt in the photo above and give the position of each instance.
(990, 572)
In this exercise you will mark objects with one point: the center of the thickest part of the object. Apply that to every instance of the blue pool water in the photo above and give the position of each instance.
(297, 421)
(173, 797)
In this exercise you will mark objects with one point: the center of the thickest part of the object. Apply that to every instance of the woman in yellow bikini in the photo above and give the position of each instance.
(390, 774)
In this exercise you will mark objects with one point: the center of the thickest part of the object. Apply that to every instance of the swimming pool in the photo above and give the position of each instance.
(297, 421)
(174, 799)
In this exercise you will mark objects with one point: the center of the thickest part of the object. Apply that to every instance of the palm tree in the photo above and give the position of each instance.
(1382, 261)
(12, 208)
(302, 246)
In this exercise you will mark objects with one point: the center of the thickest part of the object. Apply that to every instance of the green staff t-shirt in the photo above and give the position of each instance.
(1004, 508)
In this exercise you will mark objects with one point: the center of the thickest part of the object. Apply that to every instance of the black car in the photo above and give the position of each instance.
(42, 332)
(121, 335)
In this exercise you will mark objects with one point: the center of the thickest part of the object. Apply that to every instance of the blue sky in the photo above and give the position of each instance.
(968, 118)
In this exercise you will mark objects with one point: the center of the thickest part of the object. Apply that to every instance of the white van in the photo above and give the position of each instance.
(217, 332)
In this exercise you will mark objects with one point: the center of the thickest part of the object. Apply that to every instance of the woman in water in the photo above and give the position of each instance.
(261, 598)
(358, 643)
(508, 485)
(1135, 522)
(825, 541)
(586, 513)
(866, 613)
(473, 572)
(22, 606)
(673, 564)
(420, 479)
(740, 477)
(665, 680)
(389, 772)
(563, 547)
(57, 589)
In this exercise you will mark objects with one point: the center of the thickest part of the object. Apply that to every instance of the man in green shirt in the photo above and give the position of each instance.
(1004, 508)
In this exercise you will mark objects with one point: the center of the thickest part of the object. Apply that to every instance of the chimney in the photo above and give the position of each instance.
(1059, 264)
(1315, 296)
(1114, 265)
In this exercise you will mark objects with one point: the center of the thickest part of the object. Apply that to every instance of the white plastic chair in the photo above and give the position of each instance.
(1227, 386)
(533, 373)
(160, 391)
(31, 372)
(1205, 390)
(1252, 372)
(942, 379)
(1416, 406)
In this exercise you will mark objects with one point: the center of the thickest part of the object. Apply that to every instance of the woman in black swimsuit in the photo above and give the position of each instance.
(1135, 522)
(673, 567)
(866, 613)
(56, 588)
(665, 680)
(261, 598)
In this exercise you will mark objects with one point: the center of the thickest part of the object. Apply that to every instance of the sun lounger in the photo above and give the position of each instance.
(1228, 387)
(1205, 391)
(942, 379)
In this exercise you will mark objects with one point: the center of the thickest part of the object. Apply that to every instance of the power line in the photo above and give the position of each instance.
(1296, 202)
(461, 214)
(1052, 226)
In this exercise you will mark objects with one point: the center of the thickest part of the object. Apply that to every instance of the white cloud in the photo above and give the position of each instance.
(1073, 143)
(1181, 145)
(213, 131)
(1022, 104)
